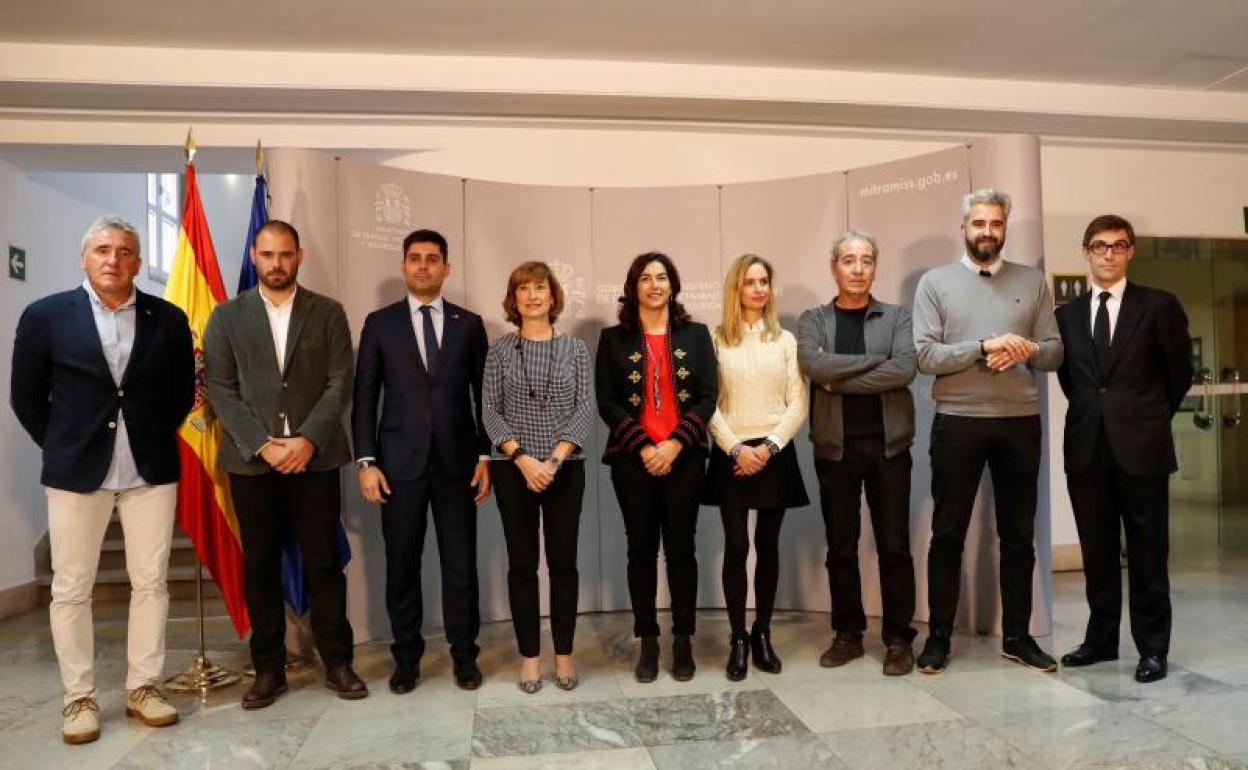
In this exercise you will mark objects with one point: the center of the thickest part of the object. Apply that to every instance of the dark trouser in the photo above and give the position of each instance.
(736, 518)
(267, 506)
(960, 447)
(1100, 495)
(557, 511)
(403, 522)
(666, 508)
(887, 483)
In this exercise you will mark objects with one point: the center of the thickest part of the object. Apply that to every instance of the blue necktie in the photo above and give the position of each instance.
(431, 338)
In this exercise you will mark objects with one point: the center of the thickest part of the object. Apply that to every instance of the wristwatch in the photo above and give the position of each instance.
(517, 454)
(365, 463)
(556, 461)
(772, 447)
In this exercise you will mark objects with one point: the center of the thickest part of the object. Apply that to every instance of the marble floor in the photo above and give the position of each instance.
(982, 713)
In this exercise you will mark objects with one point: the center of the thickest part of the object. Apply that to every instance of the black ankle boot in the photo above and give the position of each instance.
(764, 657)
(647, 660)
(682, 658)
(738, 658)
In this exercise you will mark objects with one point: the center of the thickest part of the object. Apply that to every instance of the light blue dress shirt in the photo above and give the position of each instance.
(116, 329)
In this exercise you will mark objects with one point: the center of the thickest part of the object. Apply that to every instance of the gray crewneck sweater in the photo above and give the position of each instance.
(955, 308)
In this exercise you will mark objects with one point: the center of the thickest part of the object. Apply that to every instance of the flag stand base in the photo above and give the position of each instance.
(202, 675)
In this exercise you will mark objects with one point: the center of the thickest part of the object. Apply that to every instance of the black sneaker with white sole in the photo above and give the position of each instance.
(1023, 649)
(935, 655)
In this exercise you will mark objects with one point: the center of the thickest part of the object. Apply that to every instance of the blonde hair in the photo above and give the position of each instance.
(729, 331)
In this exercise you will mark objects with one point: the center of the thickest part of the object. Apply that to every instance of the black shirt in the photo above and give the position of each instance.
(863, 414)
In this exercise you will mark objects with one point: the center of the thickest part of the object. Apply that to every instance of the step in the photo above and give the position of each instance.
(113, 554)
(113, 584)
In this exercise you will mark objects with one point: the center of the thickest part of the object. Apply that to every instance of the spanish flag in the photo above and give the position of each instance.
(205, 510)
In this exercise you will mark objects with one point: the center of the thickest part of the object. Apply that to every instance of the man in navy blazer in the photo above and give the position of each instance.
(102, 377)
(1128, 365)
(428, 450)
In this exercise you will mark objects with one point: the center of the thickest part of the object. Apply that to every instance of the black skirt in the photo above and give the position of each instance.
(778, 485)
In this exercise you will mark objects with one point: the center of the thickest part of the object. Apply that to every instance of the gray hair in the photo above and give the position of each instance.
(855, 235)
(986, 195)
(112, 222)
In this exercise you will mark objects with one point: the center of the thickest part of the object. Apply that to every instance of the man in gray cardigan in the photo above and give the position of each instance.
(278, 367)
(983, 326)
(859, 355)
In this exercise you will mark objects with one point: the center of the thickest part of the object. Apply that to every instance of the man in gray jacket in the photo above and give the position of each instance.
(859, 355)
(983, 326)
(278, 367)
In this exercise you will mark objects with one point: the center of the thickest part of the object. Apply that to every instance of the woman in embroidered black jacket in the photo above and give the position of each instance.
(657, 384)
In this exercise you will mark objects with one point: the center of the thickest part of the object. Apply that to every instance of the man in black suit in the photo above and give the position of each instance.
(430, 450)
(102, 377)
(1128, 365)
(277, 361)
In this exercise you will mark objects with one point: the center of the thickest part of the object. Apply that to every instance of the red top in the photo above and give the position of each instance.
(658, 423)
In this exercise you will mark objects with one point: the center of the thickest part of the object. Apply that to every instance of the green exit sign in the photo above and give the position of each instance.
(17, 263)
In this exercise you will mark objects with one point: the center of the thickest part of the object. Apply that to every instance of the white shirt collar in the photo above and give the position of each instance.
(975, 267)
(95, 298)
(1115, 291)
(414, 305)
(275, 305)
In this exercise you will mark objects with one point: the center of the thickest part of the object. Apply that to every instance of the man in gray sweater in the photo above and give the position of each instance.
(983, 326)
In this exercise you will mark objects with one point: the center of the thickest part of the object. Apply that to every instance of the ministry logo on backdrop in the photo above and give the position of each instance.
(575, 295)
(392, 206)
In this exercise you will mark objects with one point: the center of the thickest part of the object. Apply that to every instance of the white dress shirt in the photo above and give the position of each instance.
(438, 312)
(1112, 305)
(975, 267)
(279, 326)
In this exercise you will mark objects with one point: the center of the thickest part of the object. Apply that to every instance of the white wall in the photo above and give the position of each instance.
(46, 214)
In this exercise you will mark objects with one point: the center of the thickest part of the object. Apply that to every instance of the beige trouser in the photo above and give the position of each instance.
(76, 526)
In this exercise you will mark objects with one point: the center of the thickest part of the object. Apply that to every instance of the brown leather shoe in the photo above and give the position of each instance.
(264, 690)
(344, 681)
(845, 647)
(898, 659)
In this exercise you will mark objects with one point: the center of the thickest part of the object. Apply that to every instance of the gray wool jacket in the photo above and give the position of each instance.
(887, 368)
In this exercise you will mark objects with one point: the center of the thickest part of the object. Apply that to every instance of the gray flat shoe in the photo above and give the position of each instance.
(530, 686)
(568, 683)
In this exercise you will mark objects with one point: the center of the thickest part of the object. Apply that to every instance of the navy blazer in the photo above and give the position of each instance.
(1135, 393)
(64, 394)
(424, 414)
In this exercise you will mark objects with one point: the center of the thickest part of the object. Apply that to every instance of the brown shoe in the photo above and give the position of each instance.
(898, 659)
(344, 681)
(264, 690)
(845, 647)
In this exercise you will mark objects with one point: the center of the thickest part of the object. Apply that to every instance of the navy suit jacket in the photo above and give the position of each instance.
(64, 394)
(424, 414)
(1133, 395)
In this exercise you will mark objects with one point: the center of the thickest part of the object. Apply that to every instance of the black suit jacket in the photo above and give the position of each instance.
(64, 394)
(424, 414)
(1137, 391)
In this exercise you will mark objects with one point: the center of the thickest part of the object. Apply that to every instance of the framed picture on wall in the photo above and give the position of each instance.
(1067, 287)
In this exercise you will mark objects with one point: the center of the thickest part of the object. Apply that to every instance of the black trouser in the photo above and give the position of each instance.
(960, 447)
(404, 520)
(661, 508)
(267, 507)
(887, 483)
(1101, 495)
(557, 512)
(736, 518)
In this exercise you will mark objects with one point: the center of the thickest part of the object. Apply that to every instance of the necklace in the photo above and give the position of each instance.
(550, 362)
(655, 380)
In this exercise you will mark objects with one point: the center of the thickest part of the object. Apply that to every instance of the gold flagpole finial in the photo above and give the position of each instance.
(189, 147)
(259, 159)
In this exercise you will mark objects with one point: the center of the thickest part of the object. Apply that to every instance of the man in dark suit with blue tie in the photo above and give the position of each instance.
(429, 450)
(1127, 367)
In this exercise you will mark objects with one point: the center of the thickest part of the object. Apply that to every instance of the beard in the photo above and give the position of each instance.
(985, 250)
(277, 281)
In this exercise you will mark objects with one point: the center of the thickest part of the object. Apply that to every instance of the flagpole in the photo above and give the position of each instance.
(202, 675)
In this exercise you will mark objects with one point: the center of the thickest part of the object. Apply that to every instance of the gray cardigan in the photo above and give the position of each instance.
(253, 398)
(887, 368)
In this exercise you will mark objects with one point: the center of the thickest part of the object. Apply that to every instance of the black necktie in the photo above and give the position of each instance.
(431, 338)
(986, 273)
(1100, 329)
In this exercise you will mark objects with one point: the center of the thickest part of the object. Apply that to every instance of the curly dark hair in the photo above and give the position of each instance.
(676, 312)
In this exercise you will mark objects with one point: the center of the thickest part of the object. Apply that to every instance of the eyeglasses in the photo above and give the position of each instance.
(1100, 248)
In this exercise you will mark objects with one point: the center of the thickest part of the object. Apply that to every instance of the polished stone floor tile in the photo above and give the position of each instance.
(713, 717)
(1217, 721)
(434, 764)
(983, 693)
(519, 730)
(268, 743)
(843, 702)
(951, 745)
(614, 759)
(1114, 682)
(386, 728)
(794, 752)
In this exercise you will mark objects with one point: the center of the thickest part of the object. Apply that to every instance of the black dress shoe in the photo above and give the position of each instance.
(647, 669)
(346, 683)
(935, 655)
(683, 666)
(1086, 655)
(404, 677)
(468, 675)
(1151, 669)
(765, 658)
(1023, 649)
(264, 690)
(738, 658)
